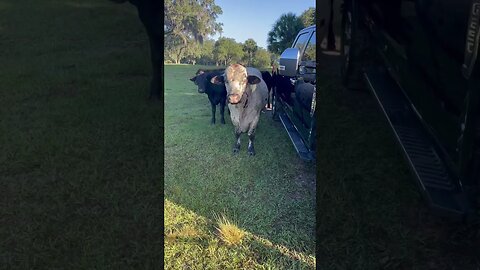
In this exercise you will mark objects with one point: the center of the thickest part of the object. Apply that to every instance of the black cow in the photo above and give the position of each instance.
(267, 77)
(217, 94)
(149, 12)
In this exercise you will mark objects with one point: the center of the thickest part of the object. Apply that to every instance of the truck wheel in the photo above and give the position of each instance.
(354, 41)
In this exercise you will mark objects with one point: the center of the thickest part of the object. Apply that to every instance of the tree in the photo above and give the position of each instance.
(250, 47)
(194, 18)
(227, 51)
(206, 54)
(187, 22)
(174, 48)
(193, 52)
(308, 17)
(274, 58)
(284, 32)
(261, 58)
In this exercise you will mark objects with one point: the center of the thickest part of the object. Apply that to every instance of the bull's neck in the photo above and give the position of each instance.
(245, 98)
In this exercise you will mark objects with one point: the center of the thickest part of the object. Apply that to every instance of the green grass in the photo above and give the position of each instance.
(80, 158)
(271, 197)
(371, 214)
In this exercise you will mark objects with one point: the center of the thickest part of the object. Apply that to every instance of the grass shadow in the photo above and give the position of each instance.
(372, 215)
(80, 159)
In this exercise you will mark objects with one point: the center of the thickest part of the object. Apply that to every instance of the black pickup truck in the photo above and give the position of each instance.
(419, 59)
(294, 92)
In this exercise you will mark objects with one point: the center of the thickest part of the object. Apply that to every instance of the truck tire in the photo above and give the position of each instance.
(354, 45)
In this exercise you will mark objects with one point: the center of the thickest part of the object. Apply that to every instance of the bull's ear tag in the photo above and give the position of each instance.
(253, 79)
(217, 80)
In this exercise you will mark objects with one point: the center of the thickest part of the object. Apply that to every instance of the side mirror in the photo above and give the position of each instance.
(289, 61)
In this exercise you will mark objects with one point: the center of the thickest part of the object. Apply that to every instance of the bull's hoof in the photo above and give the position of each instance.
(251, 151)
(212, 122)
(222, 121)
(236, 150)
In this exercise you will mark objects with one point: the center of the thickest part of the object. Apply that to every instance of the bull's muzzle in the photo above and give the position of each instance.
(234, 98)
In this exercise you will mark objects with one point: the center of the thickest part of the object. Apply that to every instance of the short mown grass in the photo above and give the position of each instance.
(232, 212)
(80, 147)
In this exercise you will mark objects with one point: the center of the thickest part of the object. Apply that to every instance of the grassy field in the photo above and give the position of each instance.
(269, 197)
(80, 155)
(371, 215)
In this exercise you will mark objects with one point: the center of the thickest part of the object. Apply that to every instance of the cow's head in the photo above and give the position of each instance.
(236, 81)
(200, 80)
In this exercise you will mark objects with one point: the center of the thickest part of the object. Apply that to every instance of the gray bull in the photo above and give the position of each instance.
(247, 95)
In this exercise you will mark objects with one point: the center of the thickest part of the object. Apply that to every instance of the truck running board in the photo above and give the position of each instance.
(297, 141)
(442, 192)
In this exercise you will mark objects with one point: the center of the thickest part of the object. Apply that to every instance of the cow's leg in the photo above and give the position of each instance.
(236, 146)
(156, 55)
(268, 99)
(149, 13)
(214, 111)
(251, 137)
(222, 111)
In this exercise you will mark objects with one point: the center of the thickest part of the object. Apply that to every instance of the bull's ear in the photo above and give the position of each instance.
(253, 79)
(217, 80)
(193, 78)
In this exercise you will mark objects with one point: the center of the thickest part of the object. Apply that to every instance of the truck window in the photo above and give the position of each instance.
(301, 41)
(310, 51)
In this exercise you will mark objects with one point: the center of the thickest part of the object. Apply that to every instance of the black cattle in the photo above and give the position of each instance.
(151, 15)
(217, 94)
(267, 77)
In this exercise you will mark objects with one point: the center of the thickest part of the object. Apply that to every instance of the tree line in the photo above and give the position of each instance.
(188, 24)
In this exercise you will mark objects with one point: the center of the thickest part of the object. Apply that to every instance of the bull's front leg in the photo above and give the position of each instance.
(236, 146)
(251, 137)
(214, 111)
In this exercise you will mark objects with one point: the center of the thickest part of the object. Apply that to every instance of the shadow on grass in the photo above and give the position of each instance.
(205, 233)
(80, 148)
(373, 216)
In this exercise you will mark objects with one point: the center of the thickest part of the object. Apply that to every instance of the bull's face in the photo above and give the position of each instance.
(236, 81)
(200, 81)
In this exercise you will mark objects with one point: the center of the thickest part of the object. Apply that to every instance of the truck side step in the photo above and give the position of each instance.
(297, 141)
(440, 189)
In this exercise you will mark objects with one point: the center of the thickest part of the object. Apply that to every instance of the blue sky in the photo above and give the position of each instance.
(246, 19)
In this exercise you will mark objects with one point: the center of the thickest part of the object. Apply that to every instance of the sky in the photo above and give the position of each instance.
(246, 19)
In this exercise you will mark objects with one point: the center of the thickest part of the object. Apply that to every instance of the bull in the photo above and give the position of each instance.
(247, 95)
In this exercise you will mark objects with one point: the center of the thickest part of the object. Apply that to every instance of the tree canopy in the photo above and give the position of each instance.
(284, 32)
(261, 58)
(250, 47)
(191, 18)
(227, 50)
(308, 17)
(188, 22)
